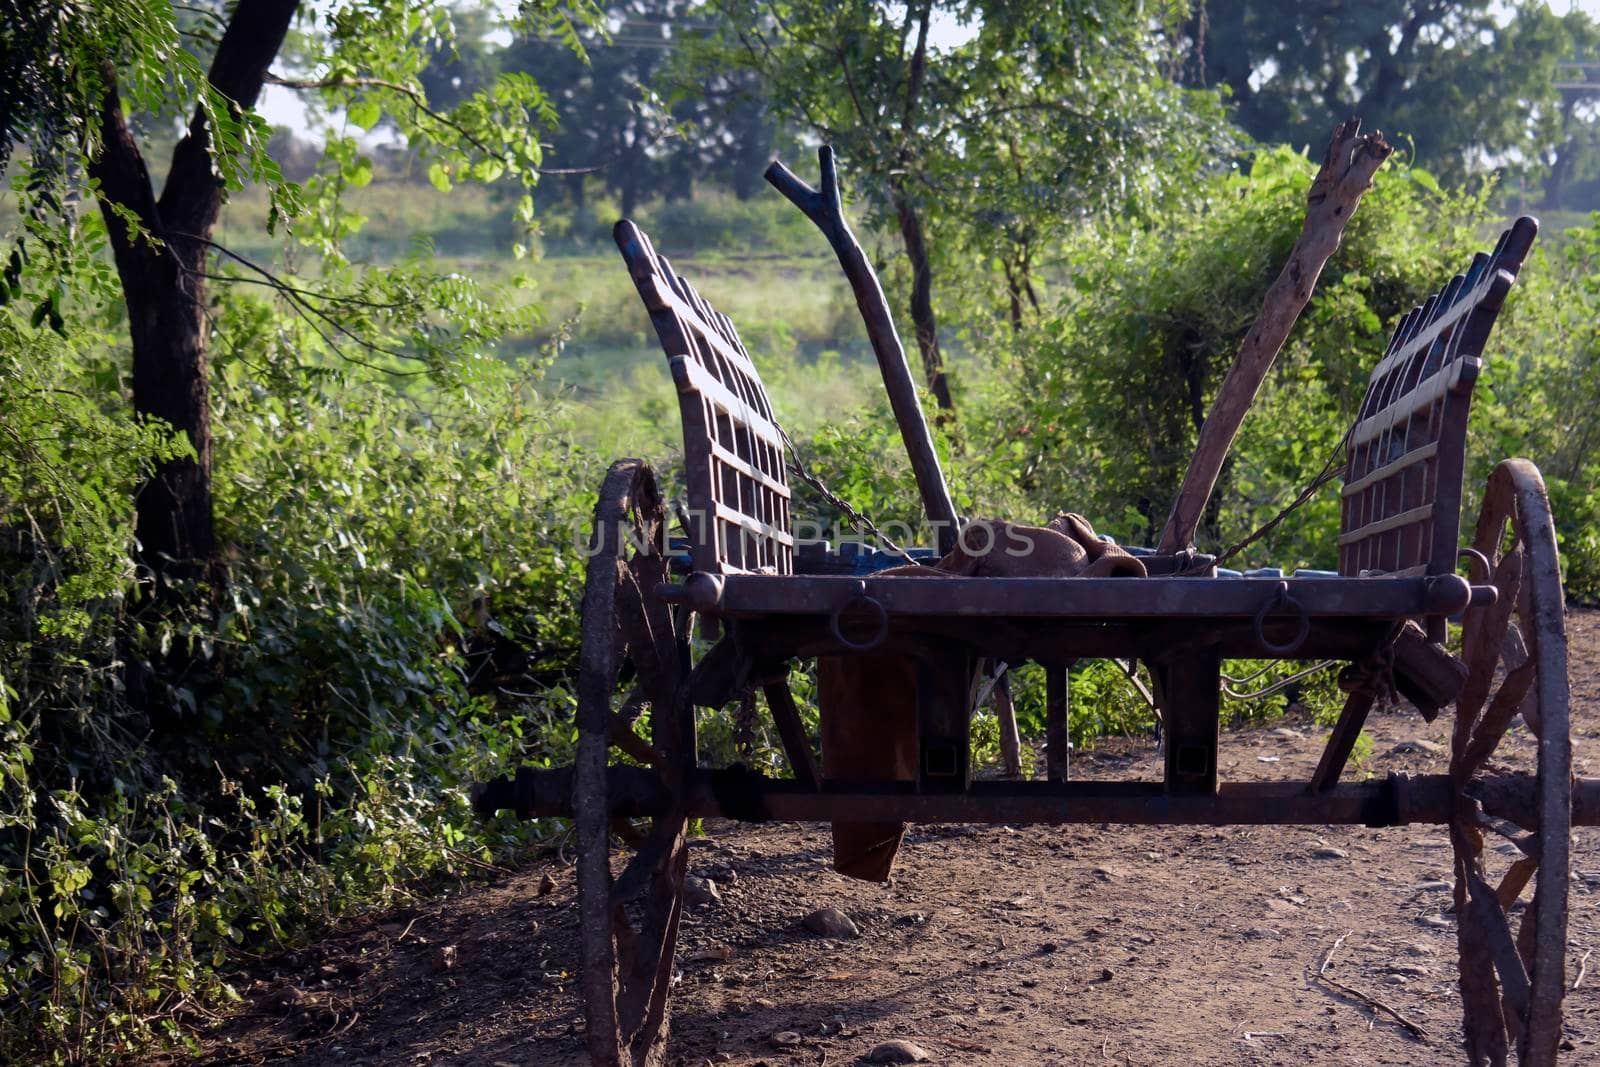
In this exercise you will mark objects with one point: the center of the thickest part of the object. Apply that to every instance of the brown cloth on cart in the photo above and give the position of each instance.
(868, 703)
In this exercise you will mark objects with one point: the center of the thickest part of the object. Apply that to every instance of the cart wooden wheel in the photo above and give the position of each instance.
(630, 920)
(1513, 972)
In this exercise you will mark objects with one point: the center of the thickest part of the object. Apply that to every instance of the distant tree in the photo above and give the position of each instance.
(611, 118)
(1043, 112)
(1470, 82)
(641, 123)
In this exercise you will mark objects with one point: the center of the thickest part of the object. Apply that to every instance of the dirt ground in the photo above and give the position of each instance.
(992, 945)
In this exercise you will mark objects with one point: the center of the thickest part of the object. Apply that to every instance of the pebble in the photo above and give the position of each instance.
(698, 890)
(897, 1051)
(547, 885)
(711, 954)
(831, 922)
(1411, 970)
(1328, 852)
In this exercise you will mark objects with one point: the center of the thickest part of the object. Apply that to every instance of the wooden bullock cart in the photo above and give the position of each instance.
(1384, 614)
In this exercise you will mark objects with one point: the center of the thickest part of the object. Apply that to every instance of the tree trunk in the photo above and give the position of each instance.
(922, 318)
(164, 288)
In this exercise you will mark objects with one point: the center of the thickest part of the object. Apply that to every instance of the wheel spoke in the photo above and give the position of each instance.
(1482, 634)
(1508, 701)
(1511, 886)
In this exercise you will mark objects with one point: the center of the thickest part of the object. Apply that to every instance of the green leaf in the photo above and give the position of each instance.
(440, 177)
(1424, 179)
(365, 113)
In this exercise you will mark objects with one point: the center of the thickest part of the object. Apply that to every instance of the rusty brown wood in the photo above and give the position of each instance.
(627, 965)
(1100, 599)
(774, 638)
(1057, 738)
(792, 732)
(1399, 800)
(596, 682)
(1190, 699)
(824, 208)
(1346, 173)
(1529, 579)
(739, 507)
(1400, 510)
(1342, 741)
(1424, 672)
(1483, 633)
(1005, 713)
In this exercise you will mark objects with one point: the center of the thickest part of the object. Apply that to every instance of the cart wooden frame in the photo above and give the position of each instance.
(772, 603)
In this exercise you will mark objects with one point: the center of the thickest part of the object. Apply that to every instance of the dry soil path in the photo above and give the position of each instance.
(993, 945)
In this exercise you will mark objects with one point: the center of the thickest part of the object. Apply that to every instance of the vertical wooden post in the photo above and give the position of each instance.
(1057, 736)
(1191, 706)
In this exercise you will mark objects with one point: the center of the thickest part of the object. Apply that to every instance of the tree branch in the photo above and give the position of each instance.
(191, 199)
(124, 180)
(1346, 174)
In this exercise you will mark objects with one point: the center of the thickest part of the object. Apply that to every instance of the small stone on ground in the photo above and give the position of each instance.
(897, 1051)
(831, 922)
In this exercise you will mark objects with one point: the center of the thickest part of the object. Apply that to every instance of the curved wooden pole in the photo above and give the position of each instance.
(823, 207)
(1346, 173)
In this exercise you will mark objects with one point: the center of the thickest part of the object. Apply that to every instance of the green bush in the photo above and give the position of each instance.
(316, 752)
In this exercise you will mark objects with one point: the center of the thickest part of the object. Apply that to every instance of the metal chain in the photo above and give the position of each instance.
(1276, 687)
(798, 469)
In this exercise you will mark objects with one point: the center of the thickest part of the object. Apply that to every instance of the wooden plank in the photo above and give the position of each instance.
(753, 524)
(792, 732)
(1058, 740)
(749, 470)
(1190, 697)
(1388, 470)
(1092, 598)
(1341, 742)
(1372, 529)
(692, 376)
(1452, 376)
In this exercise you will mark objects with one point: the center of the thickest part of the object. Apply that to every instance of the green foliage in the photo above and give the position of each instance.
(401, 480)
(376, 549)
(1112, 387)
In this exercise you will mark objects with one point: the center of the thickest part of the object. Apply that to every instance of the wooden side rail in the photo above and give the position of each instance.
(1400, 511)
(739, 519)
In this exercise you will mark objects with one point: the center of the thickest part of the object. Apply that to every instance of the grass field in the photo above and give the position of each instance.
(758, 261)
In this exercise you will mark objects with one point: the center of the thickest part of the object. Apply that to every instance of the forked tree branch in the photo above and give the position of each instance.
(1346, 173)
(824, 207)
